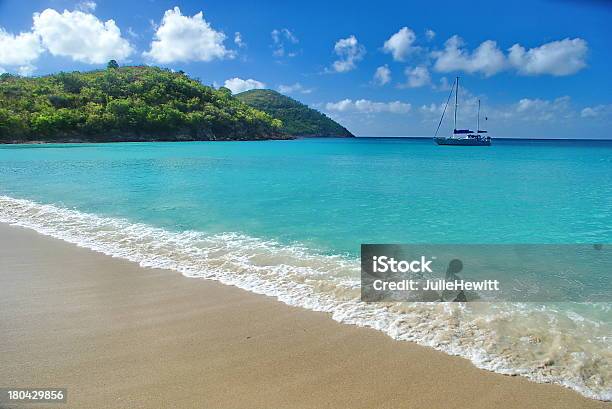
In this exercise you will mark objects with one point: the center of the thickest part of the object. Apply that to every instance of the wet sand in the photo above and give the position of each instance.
(121, 336)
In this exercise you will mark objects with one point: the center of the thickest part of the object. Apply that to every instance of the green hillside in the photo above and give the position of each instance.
(136, 103)
(298, 119)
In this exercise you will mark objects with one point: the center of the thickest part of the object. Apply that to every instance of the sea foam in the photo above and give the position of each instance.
(550, 343)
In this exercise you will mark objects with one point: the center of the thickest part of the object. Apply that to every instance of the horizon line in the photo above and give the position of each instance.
(497, 138)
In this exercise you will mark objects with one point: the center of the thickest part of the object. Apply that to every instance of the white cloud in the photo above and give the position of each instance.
(487, 58)
(238, 85)
(349, 52)
(399, 45)
(86, 6)
(598, 111)
(541, 109)
(293, 89)
(19, 51)
(533, 111)
(284, 33)
(26, 70)
(80, 36)
(468, 107)
(432, 109)
(558, 58)
(444, 85)
(382, 75)
(564, 57)
(430, 34)
(184, 38)
(132, 33)
(283, 42)
(417, 77)
(238, 40)
(588, 112)
(367, 106)
(340, 106)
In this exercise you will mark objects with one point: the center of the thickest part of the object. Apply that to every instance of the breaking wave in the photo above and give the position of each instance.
(555, 343)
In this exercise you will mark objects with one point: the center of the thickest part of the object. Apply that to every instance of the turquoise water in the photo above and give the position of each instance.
(286, 218)
(333, 194)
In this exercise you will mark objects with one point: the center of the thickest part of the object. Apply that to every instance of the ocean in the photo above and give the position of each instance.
(286, 219)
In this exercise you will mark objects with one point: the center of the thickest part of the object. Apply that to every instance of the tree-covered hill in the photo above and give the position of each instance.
(298, 119)
(135, 103)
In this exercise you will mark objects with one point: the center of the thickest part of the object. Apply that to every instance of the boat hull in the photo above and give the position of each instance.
(463, 141)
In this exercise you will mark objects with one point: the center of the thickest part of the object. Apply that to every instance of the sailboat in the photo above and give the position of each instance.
(462, 137)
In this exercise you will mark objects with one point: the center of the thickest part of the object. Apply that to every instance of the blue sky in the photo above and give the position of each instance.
(541, 68)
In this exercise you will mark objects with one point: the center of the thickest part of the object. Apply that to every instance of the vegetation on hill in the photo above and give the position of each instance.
(125, 104)
(298, 119)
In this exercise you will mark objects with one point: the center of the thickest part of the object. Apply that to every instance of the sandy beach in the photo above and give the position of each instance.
(120, 336)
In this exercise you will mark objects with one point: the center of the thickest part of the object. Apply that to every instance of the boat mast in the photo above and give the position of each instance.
(450, 94)
(478, 120)
(456, 100)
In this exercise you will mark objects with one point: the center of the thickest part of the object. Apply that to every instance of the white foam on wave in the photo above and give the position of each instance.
(540, 343)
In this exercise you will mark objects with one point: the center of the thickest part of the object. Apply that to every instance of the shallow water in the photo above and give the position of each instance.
(286, 218)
